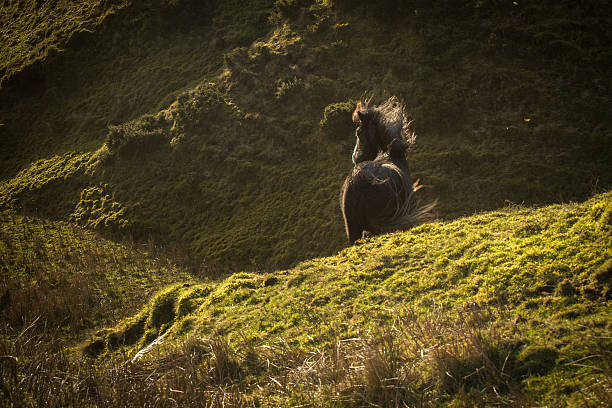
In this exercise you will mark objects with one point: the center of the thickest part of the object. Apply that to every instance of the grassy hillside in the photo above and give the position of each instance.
(508, 308)
(59, 279)
(32, 30)
(150, 149)
(225, 129)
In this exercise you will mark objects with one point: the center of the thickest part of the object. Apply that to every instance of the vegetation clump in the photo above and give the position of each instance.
(337, 121)
(135, 138)
(97, 210)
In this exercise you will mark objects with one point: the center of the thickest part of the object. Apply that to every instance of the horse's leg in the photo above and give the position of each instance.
(354, 221)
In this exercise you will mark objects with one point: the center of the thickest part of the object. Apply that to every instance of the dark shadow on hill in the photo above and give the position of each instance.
(232, 136)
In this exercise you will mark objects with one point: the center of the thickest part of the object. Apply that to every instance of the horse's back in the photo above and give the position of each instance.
(375, 192)
(381, 179)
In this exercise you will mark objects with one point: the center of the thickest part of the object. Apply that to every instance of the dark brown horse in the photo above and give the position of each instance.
(378, 195)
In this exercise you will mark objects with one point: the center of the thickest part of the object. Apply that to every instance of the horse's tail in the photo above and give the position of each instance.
(417, 213)
(408, 214)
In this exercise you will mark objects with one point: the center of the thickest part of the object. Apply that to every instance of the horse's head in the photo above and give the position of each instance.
(380, 128)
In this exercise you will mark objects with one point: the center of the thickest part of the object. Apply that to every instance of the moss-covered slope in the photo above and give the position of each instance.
(31, 30)
(539, 278)
(106, 71)
(226, 130)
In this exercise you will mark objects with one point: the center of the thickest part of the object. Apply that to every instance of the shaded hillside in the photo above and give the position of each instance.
(31, 30)
(508, 308)
(134, 61)
(226, 129)
(59, 279)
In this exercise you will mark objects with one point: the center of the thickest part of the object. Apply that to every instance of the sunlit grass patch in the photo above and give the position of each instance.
(499, 311)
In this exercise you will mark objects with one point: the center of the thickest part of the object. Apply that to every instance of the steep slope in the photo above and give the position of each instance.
(58, 279)
(246, 133)
(512, 303)
(31, 30)
(133, 58)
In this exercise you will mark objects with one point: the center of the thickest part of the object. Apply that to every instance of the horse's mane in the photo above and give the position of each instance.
(391, 116)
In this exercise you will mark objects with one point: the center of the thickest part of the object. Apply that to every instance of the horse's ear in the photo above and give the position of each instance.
(359, 116)
(356, 113)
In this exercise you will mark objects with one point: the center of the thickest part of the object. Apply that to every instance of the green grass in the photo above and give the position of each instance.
(219, 135)
(70, 281)
(230, 133)
(530, 288)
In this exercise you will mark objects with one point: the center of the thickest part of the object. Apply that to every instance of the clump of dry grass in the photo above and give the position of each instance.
(198, 373)
(417, 360)
(420, 361)
(409, 360)
(597, 372)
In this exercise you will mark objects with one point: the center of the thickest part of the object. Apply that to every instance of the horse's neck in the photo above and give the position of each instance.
(396, 155)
